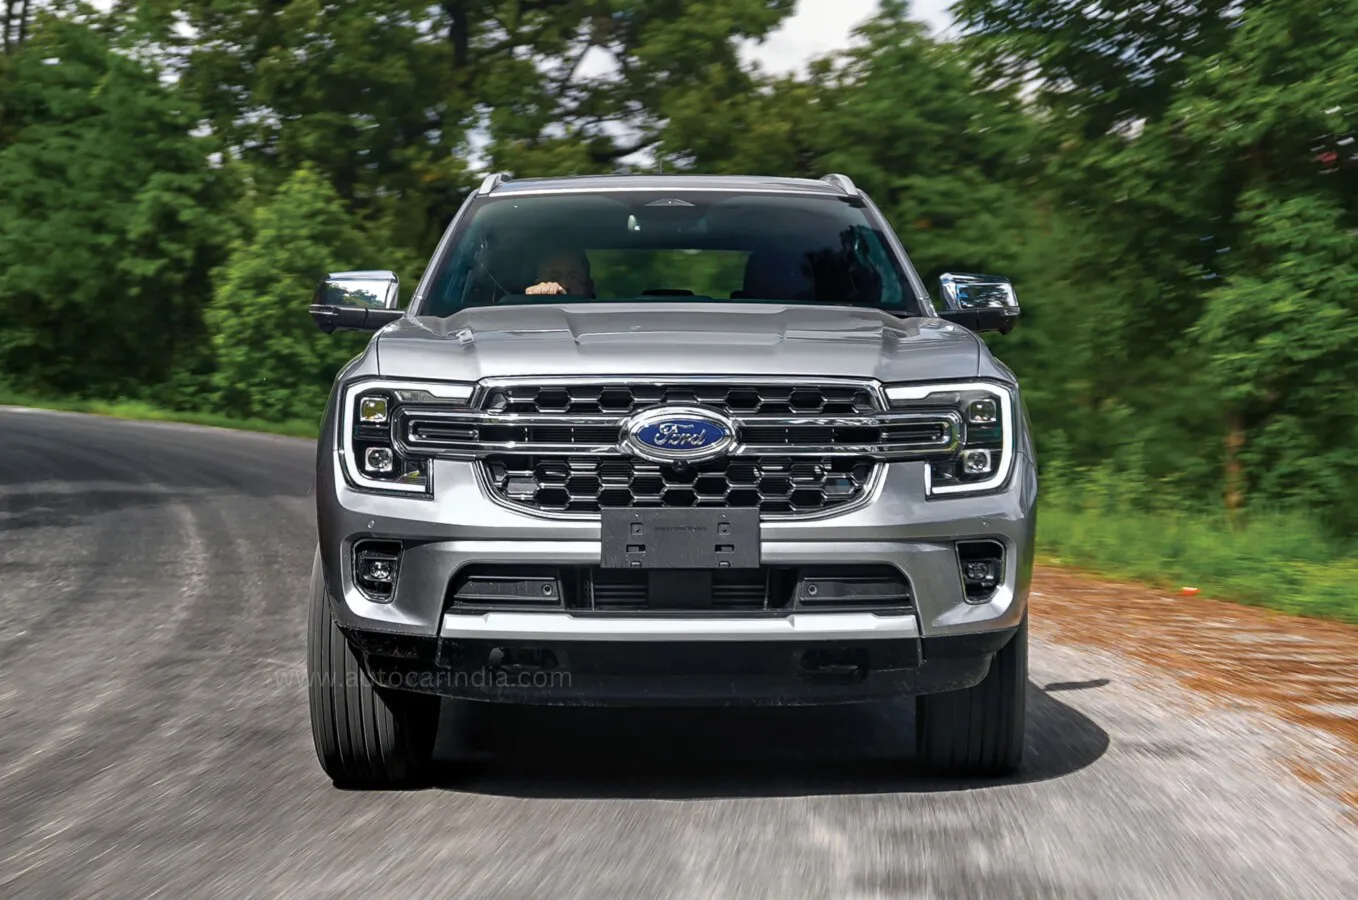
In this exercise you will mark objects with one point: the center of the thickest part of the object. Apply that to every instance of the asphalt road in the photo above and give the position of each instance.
(154, 740)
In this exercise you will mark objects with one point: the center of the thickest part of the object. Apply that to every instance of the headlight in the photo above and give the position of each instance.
(372, 459)
(986, 454)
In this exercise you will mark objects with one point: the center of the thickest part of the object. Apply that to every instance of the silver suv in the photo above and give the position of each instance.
(669, 440)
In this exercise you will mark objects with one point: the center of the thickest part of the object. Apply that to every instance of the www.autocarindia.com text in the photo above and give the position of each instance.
(477, 679)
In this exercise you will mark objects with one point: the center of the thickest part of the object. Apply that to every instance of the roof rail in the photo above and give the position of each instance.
(843, 182)
(494, 180)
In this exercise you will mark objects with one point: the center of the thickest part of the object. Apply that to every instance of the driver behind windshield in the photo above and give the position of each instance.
(564, 272)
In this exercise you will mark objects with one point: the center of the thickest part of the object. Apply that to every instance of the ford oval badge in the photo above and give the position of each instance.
(678, 434)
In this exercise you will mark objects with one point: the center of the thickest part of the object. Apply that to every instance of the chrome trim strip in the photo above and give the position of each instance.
(866, 420)
(545, 420)
(471, 450)
(908, 392)
(875, 452)
(474, 449)
(884, 450)
(568, 627)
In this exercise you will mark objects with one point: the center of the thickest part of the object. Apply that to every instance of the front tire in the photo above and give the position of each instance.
(978, 731)
(365, 736)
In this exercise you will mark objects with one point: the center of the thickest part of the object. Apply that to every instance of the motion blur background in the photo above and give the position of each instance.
(1172, 186)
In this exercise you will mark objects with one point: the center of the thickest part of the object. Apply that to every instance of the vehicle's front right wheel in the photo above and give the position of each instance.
(365, 736)
(978, 731)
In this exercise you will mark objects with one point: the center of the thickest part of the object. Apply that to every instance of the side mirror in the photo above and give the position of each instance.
(979, 302)
(356, 301)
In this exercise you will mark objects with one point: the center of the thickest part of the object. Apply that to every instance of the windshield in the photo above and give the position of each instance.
(692, 246)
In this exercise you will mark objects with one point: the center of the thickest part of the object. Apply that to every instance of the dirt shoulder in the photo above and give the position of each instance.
(1303, 670)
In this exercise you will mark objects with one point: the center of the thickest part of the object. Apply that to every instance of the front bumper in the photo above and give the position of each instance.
(461, 526)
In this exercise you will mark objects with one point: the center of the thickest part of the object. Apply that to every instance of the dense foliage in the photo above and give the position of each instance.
(1172, 184)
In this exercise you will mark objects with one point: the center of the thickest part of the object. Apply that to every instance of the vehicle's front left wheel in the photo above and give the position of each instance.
(979, 731)
(365, 736)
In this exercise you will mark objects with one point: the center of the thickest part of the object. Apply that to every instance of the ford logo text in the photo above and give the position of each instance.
(680, 435)
(672, 434)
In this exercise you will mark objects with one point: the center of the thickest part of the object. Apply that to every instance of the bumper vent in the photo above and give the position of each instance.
(851, 587)
(769, 589)
(731, 589)
(483, 587)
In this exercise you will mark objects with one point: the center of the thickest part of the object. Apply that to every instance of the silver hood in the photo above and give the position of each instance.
(678, 339)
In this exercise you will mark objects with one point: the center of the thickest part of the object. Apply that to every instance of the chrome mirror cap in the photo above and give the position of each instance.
(374, 289)
(979, 302)
(964, 291)
(356, 301)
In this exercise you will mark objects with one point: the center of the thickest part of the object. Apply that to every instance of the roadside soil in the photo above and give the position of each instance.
(1302, 670)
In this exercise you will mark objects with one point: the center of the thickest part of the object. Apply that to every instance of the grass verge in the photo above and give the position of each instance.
(132, 409)
(1280, 561)
(1276, 560)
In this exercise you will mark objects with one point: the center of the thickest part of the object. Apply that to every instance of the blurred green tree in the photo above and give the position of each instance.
(272, 360)
(1205, 148)
(392, 99)
(109, 218)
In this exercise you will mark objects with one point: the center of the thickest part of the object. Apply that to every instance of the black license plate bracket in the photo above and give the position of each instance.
(680, 538)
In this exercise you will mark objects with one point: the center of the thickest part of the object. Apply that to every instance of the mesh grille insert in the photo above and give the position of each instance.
(779, 485)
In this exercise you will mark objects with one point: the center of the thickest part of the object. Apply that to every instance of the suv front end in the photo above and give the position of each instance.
(630, 524)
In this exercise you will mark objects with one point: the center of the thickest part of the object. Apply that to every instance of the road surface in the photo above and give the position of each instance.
(154, 740)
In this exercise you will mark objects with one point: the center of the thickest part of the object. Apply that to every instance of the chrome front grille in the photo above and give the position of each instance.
(560, 446)
(587, 484)
(781, 419)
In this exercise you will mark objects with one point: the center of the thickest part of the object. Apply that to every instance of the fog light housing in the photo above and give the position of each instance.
(376, 567)
(982, 568)
(379, 460)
